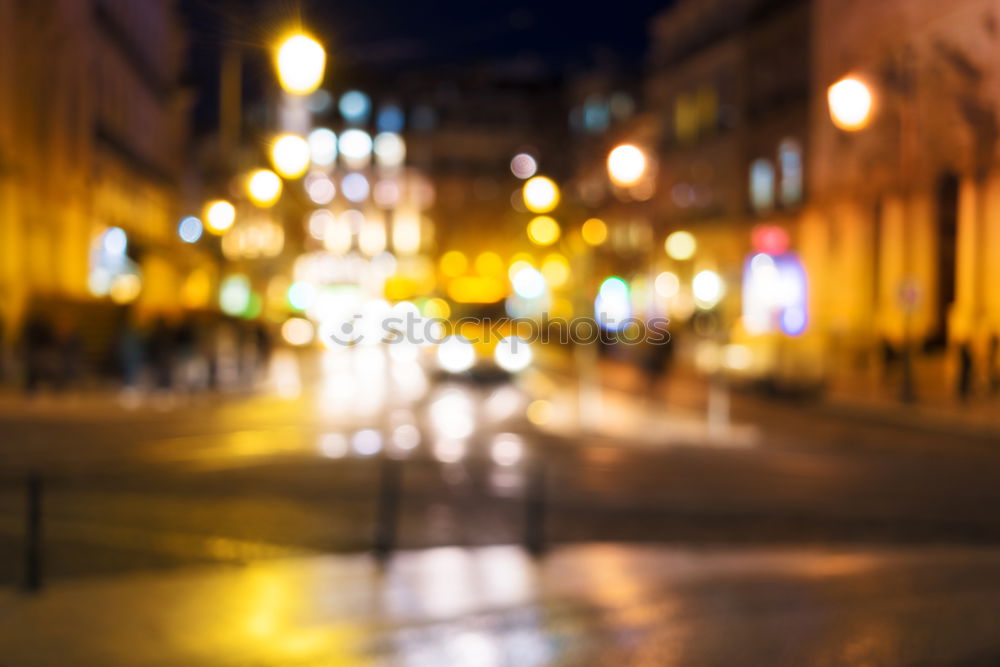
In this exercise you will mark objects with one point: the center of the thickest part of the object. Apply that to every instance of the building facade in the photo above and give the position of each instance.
(903, 245)
(92, 134)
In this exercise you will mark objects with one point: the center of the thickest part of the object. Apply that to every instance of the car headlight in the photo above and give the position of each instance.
(513, 354)
(456, 354)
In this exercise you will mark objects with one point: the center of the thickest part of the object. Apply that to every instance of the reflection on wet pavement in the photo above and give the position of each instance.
(495, 606)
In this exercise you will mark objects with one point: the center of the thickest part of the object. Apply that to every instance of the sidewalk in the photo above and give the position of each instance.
(935, 408)
(617, 407)
(855, 398)
(589, 604)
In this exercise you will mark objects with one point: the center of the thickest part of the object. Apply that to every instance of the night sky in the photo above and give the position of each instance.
(386, 34)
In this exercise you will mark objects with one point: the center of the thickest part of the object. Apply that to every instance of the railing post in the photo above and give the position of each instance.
(534, 516)
(387, 509)
(33, 532)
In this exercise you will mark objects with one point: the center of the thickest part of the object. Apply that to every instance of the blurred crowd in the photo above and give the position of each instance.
(142, 354)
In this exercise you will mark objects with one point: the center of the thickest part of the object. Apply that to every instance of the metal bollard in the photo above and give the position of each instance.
(387, 509)
(33, 533)
(534, 516)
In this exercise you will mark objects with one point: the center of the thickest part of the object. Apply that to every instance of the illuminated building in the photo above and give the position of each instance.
(92, 132)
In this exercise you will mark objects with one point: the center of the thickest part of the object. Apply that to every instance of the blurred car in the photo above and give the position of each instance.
(483, 344)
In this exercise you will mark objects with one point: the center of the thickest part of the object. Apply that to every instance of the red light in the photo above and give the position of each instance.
(769, 239)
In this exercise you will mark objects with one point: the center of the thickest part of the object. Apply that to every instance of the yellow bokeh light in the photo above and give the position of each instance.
(197, 289)
(219, 216)
(264, 187)
(489, 264)
(301, 62)
(476, 289)
(290, 155)
(436, 308)
(539, 412)
(850, 102)
(406, 234)
(454, 263)
(555, 268)
(125, 288)
(519, 261)
(297, 331)
(543, 230)
(541, 194)
(594, 231)
(626, 165)
(681, 245)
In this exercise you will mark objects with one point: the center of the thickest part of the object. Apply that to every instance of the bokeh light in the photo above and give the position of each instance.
(523, 166)
(543, 230)
(850, 102)
(541, 194)
(613, 305)
(555, 268)
(594, 231)
(220, 216)
(355, 147)
(390, 150)
(234, 294)
(264, 187)
(125, 288)
(456, 354)
(513, 354)
(454, 263)
(355, 187)
(290, 155)
(489, 263)
(667, 285)
(297, 331)
(626, 165)
(301, 62)
(322, 146)
(190, 229)
(681, 245)
(528, 283)
(354, 106)
(708, 288)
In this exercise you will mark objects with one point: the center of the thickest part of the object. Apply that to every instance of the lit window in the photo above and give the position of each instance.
(596, 114)
(762, 185)
(686, 118)
(790, 163)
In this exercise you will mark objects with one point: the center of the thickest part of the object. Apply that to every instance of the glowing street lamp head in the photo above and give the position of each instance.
(301, 62)
(264, 187)
(290, 155)
(626, 165)
(680, 245)
(219, 216)
(850, 102)
(543, 230)
(594, 231)
(541, 194)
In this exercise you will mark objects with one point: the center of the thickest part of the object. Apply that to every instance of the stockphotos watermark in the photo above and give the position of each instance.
(411, 328)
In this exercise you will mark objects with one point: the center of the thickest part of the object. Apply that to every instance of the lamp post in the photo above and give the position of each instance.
(851, 103)
(301, 62)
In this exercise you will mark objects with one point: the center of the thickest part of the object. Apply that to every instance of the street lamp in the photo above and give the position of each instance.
(680, 245)
(850, 102)
(219, 216)
(264, 187)
(301, 62)
(290, 155)
(543, 230)
(626, 165)
(541, 194)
